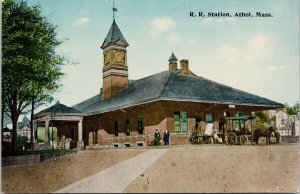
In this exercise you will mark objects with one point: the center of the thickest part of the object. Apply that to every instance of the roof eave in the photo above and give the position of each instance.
(112, 43)
(58, 114)
(218, 102)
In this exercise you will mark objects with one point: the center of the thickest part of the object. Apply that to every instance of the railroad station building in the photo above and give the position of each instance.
(127, 112)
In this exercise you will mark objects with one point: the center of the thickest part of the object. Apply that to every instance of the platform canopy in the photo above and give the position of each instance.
(60, 112)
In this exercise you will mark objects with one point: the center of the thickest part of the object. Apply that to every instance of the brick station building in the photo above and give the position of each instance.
(127, 112)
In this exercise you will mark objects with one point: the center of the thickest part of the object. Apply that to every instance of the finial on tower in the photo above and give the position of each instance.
(114, 9)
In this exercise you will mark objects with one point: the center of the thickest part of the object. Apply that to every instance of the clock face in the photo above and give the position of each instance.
(119, 56)
(107, 57)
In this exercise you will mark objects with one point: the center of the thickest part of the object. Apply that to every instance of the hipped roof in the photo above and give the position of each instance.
(169, 85)
(57, 109)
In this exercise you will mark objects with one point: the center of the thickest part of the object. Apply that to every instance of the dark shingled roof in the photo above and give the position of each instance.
(114, 34)
(57, 109)
(201, 89)
(170, 85)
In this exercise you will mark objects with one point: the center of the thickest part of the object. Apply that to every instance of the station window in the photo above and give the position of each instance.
(127, 127)
(177, 121)
(197, 123)
(184, 120)
(140, 125)
(180, 122)
(116, 128)
(209, 118)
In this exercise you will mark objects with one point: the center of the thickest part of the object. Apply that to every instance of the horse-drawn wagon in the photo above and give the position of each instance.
(245, 129)
(206, 136)
(238, 130)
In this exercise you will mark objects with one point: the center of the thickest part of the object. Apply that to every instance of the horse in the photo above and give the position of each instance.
(267, 132)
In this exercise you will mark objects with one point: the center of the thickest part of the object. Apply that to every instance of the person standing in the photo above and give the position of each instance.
(166, 137)
(156, 138)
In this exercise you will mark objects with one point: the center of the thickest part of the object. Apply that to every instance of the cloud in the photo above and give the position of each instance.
(161, 24)
(228, 54)
(81, 22)
(277, 67)
(250, 57)
(258, 42)
(208, 21)
(257, 48)
(192, 42)
(173, 37)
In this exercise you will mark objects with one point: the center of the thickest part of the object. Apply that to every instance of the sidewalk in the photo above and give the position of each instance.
(116, 178)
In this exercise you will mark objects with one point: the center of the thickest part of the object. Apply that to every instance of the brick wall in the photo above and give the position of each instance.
(113, 84)
(157, 115)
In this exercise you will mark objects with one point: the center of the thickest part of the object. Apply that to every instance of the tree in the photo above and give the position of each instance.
(262, 117)
(31, 68)
(291, 111)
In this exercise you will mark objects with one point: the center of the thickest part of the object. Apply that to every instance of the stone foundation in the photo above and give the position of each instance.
(136, 141)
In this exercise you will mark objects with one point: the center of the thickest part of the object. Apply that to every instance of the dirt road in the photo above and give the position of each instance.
(210, 168)
(190, 168)
(50, 176)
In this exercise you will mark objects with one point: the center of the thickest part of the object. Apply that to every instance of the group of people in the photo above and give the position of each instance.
(157, 137)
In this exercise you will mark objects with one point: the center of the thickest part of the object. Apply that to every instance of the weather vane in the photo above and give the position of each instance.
(114, 9)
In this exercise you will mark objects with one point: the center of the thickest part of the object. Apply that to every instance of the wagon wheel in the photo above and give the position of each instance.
(243, 139)
(195, 140)
(230, 138)
(192, 139)
(251, 138)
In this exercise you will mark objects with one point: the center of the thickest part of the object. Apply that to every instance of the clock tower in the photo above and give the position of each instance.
(115, 69)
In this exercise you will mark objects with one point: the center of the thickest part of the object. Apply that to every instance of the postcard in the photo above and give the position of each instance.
(103, 96)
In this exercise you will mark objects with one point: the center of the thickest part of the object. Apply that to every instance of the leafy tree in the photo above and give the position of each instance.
(262, 117)
(30, 67)
(291, 110)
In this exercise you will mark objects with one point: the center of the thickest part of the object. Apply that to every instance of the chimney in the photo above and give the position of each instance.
(172, 62)
(184, 67)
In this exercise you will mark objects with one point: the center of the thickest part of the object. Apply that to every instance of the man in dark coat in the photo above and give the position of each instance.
(166, 137)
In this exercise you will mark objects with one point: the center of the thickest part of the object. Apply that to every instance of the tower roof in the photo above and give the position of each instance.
(172, 57)
(114, 34)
